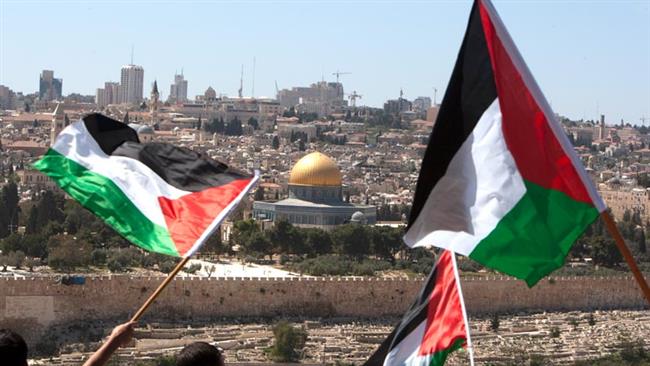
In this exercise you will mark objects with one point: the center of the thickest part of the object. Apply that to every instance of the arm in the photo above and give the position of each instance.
(120, 336)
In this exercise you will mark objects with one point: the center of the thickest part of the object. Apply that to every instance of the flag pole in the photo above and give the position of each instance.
(470, 349)
(160, 288)
(625, 251)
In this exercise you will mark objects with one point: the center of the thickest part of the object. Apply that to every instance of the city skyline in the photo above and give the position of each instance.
(606, 58)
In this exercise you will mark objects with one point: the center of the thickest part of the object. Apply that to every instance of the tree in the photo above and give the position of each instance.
(66, 253)
(253, 122)
(495, 322)
(4, 220)
(627, 215)
(351, 239)
(12, 243)
(386, 241)
(34, 245)
(288, 341)
(214, 245)
(259, 194)
(49, 208)
(10, 205)
(289, 113)
(641, 241)
(301, 145)
(4, 262)
(17, 259)
(32, 221)
(234, 127)
(126, 119)
(119, 260)
(317, 241)
(285, 237)
(604, 252)
(242, 231)
(259, 243)
(30, 263)
(276, 142)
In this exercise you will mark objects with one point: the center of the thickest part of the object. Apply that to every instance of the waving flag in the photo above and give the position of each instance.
(500, 181)
(433, 327)
(161, 197)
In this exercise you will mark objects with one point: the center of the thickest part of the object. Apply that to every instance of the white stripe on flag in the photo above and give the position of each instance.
(481, 185)
(407, 351)
(138, 182)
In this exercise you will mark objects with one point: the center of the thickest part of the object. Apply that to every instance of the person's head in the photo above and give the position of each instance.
(13, 349)
(200, 354)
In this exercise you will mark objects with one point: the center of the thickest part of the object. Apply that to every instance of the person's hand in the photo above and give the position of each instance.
(120, 337)
(122, 334)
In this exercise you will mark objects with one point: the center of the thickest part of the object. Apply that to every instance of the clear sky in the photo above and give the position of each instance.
(589, 57)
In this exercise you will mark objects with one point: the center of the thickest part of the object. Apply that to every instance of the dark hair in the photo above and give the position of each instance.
(199, 354)
(13, 349)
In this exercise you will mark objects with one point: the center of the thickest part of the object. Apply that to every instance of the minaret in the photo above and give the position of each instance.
(601, 132)
(153, 104)
(58, 120)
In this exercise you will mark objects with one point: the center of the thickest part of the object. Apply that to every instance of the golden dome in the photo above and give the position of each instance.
(315, 169)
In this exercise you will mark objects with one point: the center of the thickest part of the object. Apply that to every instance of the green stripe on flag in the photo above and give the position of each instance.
(106, 200)
(534, 238)
(439, 358)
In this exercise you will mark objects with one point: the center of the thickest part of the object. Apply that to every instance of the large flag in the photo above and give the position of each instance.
(161, 197)
(433, 327)
(500, 181)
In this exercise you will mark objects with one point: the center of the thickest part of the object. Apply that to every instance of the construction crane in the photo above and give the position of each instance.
(241, 83)
(353, 98)
(339, 73)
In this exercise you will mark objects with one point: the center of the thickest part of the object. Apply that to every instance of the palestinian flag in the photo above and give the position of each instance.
(500, 181)
(433, 327)
(163, 198)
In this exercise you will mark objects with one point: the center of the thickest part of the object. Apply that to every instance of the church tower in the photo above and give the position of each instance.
(58, 121)
(153, 103)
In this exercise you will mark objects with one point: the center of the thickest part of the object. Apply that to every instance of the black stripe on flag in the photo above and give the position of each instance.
(470, 92)
(109, 133)
(180, 167)
(414, 316)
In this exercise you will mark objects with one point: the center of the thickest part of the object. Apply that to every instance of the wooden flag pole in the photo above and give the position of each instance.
(160, 288)
(620, 243)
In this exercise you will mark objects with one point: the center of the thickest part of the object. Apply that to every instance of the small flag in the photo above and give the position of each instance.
(500, 181)
(163, 198)
(433, 327)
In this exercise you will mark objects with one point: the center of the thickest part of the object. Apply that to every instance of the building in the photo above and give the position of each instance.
(131, 84)
(210, 95)
(32, 178)
(58, 123)
(178, 90)
(154, 100)
(421, 104)
(322, 97)
(315, 198)
(49, 87)
(397, 106)
(107, 95)
(7, 98)
(432, 113)
(635, 200)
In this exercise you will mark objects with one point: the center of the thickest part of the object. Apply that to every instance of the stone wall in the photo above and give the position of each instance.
(33, 305)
